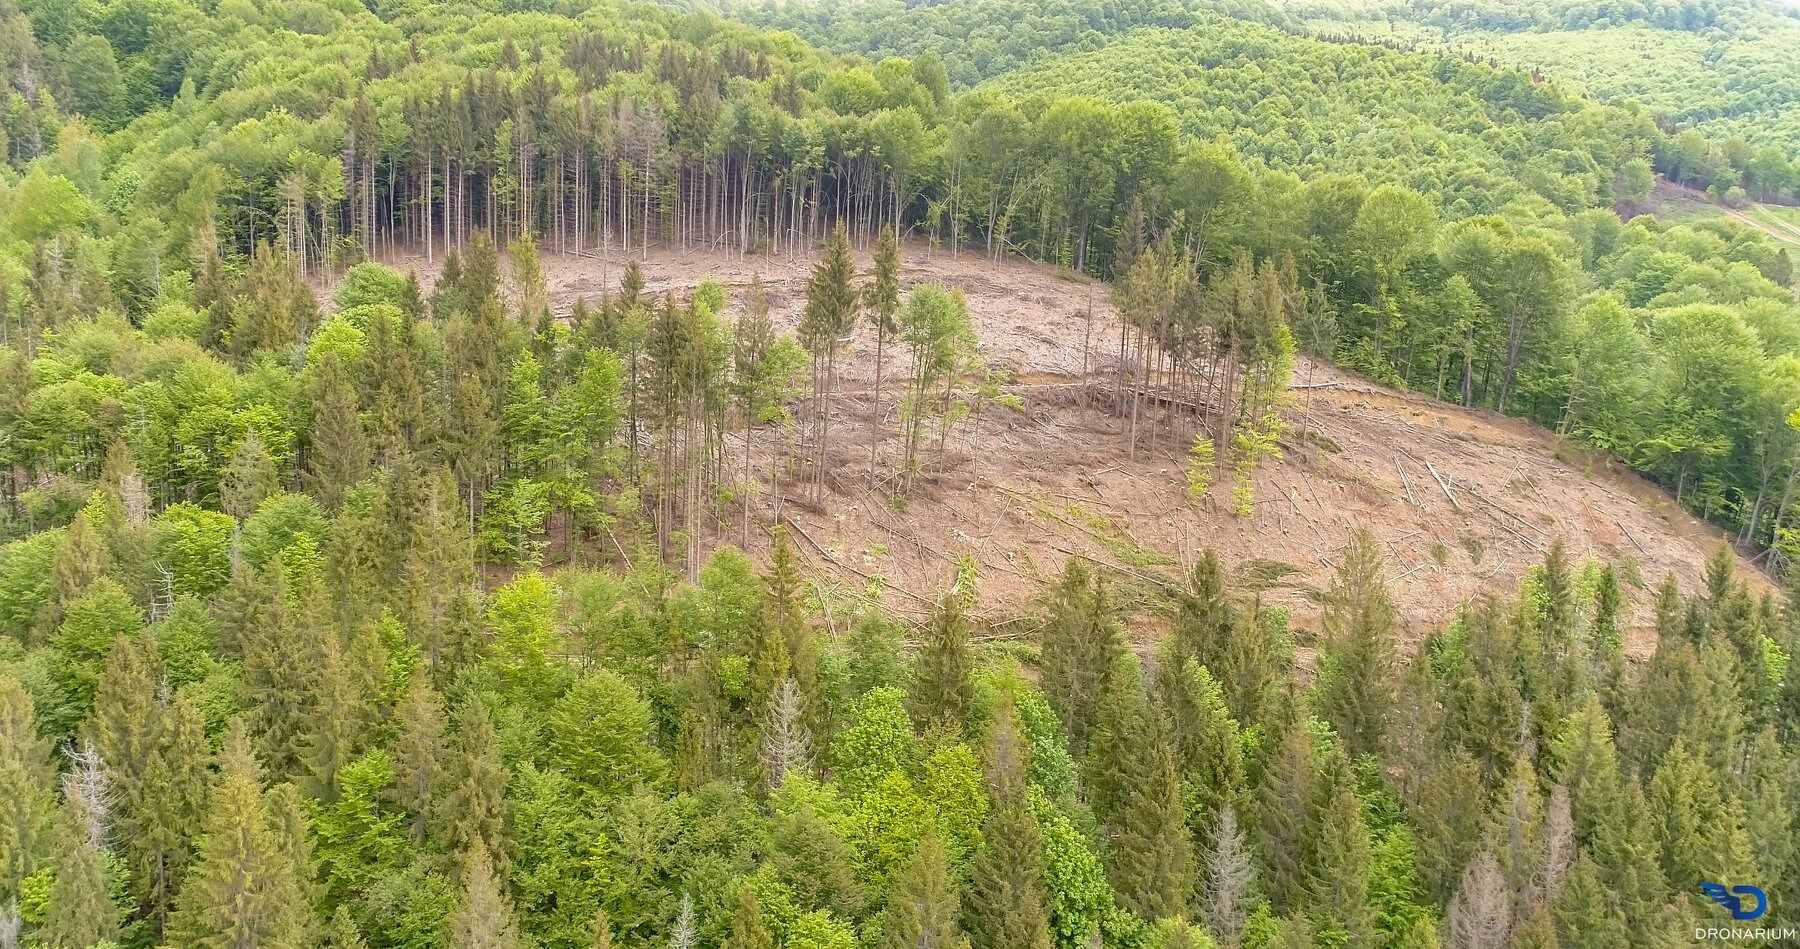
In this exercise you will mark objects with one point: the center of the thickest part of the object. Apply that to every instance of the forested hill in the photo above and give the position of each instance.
(1727, 74)
(351, 605)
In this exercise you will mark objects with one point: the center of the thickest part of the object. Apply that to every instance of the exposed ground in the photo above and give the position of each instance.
(1679, 203)
(1462, 501)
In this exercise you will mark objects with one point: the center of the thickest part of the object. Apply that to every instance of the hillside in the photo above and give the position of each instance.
(1464, 502)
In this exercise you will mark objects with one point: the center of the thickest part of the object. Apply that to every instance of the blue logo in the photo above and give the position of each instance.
(1734, 899)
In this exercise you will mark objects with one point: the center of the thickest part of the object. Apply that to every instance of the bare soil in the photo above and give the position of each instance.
(1463, 501)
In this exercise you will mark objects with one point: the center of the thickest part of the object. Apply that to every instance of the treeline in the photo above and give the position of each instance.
(366, 749)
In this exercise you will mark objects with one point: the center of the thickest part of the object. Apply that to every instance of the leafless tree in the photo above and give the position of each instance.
(786, 745)
(1227, 883)
(1559, 842)
(86, 786)
(1480, 914)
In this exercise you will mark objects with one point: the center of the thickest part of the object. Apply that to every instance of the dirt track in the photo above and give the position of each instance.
(1464, 502)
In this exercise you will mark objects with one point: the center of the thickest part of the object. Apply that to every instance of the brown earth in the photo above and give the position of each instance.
(1462, 501)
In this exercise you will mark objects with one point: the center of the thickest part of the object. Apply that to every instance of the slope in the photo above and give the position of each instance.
(1464, 502)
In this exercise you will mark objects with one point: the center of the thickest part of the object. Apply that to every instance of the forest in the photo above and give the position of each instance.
(341, 607)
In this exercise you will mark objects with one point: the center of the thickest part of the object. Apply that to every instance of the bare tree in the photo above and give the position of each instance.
(1480, 914)
(86, 786)
(1227, 885)
(786, 745)
(10, 924)
(1559, 842)
(685, 931)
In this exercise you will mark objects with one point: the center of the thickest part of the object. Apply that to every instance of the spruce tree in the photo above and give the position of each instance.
(1207, 743)
(1356, 663)
(240, 895)
(249, 477)
(80, 912)
(831, 303)
(1137, 797)
(27, 796)
(421, 758)
(941, 692)
(476, 806)
(1338, 872)
(1082, 649)
(748, 931)
(337, 452)
(1285, 800)
(281, 665)
(1006, 906)
(483, 917)
(923, 903)
(882, 299)
(1226, 879)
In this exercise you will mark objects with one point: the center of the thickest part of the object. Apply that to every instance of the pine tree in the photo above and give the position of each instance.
(483, 917)
(1355, 688)
(1006, 906)
(941, 693)
(241, 893)
(80, 912)
(923, 903)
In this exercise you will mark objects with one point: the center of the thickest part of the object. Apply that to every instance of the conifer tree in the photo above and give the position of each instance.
(242, 892)
(1286, 796)
(1207, 744)
(27, 798)
(337, 452)
(1204, 616)
(1338, 875)
(476, 805)
(80, 912)
(1137, 797)
(923, 903)
(1006, 904)
(1225, 885)
(1355, 688)
(421, 758)
(941, 692)
(80, 559)
(1587, 911)
(249, 477)
(337, 724)
(882, 299)
(281, 664)
(1082, 649)
(748, 931)
(830, 313)
(342, 933)
(483, 917)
